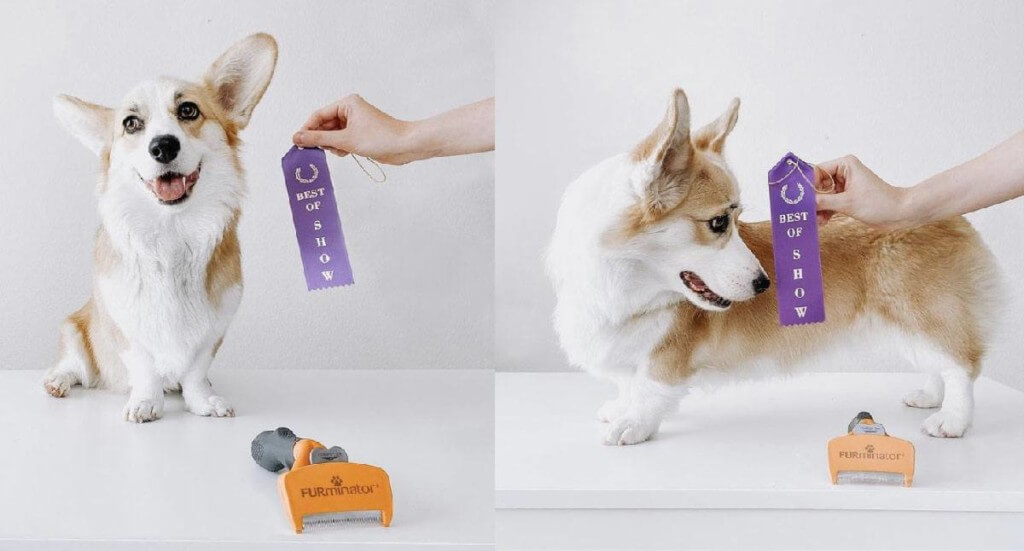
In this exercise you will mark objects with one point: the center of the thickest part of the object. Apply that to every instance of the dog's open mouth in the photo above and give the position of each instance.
(172, 188)
(694, 283)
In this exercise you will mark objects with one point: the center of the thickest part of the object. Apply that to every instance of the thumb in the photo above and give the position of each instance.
(830, 201)
(334, 139)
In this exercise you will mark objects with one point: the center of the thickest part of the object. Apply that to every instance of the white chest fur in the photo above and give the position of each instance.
(606, 346)
(157, 297)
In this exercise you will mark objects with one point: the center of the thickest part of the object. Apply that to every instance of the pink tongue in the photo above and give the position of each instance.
(170, 190)
(696, 282)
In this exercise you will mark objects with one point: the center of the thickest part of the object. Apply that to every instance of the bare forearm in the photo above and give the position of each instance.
(467, 129)
(991, 178)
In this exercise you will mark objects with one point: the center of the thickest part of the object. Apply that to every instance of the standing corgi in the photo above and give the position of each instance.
(659, 284)
(167, 275)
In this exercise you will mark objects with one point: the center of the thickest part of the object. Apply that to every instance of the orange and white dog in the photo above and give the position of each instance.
(659, 284)
(167, 273)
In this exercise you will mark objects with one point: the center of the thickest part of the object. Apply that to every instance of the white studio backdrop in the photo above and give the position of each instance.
(421, 245)
(910, 87)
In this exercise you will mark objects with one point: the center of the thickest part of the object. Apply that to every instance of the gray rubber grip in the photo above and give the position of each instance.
(856, 420)
(274, 449)
(333, 454)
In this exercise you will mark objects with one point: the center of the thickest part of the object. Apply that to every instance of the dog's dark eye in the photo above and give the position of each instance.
(719, 224)
(188, 111)
(132, 124)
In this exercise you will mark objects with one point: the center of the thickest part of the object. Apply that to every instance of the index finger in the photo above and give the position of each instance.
(822, 176)
(831, 166)
(831, 170)
(322, 116)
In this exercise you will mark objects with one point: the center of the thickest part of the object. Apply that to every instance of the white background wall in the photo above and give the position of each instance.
(910, 87)
(420, 245)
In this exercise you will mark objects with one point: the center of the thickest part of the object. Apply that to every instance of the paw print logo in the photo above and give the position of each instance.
(870, 448)
(336, 480)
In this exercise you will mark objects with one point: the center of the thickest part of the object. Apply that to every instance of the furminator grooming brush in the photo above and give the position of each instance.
(320, 486)
(867, 455)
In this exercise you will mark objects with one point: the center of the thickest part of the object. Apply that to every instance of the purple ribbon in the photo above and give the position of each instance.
(315, 213)
(795, 242)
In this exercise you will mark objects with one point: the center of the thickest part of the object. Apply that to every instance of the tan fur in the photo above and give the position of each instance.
(104, 256)
(91, 323)
(206, 98)
(223, 91)
(651, 147)
(79, 320)
(712, 137)
(216, 347)
(104, 168)
(195, 95)
(893, 276)
(690, 179)
(702, 192)
(225, 268)
(930, 280)
(104, 342)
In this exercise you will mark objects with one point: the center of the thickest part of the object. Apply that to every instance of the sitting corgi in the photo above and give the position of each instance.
(167, 273)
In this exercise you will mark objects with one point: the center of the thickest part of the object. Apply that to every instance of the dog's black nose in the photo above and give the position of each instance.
(164, 148)
(761, 284)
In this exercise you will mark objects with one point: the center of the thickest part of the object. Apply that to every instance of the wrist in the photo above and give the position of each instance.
(909, 212)
(417, 140)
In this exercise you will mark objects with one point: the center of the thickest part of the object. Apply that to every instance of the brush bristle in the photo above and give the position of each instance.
(868, 477)
(341, 518)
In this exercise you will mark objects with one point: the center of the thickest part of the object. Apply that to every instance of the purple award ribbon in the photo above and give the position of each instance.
(315, 213)
(798, 286)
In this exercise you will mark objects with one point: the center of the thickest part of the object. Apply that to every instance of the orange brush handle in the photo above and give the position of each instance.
(302, 450)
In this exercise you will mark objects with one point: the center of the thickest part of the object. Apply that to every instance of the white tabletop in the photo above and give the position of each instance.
(72, 472)
(747, 446)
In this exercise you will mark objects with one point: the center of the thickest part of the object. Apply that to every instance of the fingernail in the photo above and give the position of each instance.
(299, 138)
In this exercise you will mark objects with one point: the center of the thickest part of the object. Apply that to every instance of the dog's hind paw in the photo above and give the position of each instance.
(921, 398)
(58, 384)
(630, 429)
(214, 406)
(143, 411)
(612, 409)
(946, 424)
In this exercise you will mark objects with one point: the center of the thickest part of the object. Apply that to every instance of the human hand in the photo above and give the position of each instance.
(861, 194)
(353, 125)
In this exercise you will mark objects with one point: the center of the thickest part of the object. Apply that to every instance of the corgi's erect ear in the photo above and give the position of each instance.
(712, 136)
(92, 124)
(241, 75)
(668, 146)
(663, 156)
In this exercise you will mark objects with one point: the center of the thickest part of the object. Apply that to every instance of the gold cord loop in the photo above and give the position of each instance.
(383, 175)
(794, 166)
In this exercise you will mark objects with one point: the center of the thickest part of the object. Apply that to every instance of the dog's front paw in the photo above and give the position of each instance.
(612, 409)
(143, 410)
(630, 429)
(58, 384)
(946, 424)
(921, 398)
(213, 406)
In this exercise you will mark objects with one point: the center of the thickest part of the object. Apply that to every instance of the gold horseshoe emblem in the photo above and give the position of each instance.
(311, 179)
